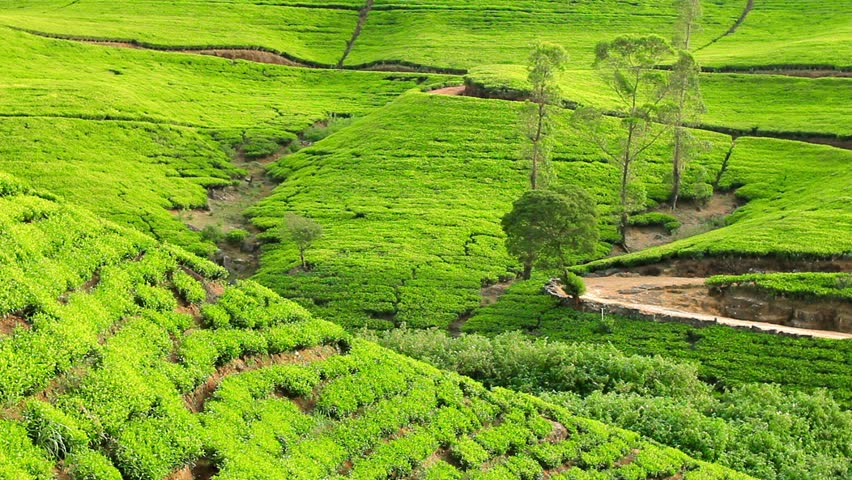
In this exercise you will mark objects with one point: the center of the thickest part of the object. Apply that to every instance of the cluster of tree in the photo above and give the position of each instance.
(759, 429)
(549, 226)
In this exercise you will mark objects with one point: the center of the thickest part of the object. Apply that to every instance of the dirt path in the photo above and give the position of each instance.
(362, 19)
(749, 5)
(452, 91)
(677, 297)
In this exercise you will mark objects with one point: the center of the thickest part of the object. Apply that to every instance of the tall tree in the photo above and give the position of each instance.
(551, 228)
(302, 232)
(687, 107)
(688, 14)
(628, 66)
(545, 63)
(685, 91)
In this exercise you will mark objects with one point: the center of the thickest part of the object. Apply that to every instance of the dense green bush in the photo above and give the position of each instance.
(665, 220)
(236, 236)
(514, 361)
(836, 286)
(91, 465)
(189, 288)
(803, 436)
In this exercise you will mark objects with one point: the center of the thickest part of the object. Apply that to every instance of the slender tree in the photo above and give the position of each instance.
(302, 232)
(546, 61)
(685, 92)
(628, 66)
(551, 228)
(687, 107)
(688, 14)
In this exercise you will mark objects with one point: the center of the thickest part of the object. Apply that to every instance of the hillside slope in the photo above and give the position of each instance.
(124, 358)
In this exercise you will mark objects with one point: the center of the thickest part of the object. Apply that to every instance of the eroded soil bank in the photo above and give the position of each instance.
(690, 299)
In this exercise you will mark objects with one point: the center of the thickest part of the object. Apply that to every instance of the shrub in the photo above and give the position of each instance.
(52, 430)
(212, 233)
(236, 236)
(90, 465)
(155, 298)
(573, 284)
(665, 220)
(189, 288)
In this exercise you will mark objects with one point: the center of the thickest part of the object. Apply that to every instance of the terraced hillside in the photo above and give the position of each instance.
(172, 123)
(146, 141)
(126, 358)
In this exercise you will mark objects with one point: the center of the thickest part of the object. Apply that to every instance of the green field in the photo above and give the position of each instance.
(433, 188)
(129, 359)
(770, 36)
(126, 353)
(317, 34)
(766, 104)
(163, 137)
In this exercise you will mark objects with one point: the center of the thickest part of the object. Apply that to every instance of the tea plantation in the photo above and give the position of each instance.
(124, 358)
(405, 345)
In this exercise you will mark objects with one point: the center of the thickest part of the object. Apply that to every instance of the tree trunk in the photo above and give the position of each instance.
(302, 257)
(676, 166)
(527, 271)
(622, 223)
(536, 153)
(534, 172)
(625, 178)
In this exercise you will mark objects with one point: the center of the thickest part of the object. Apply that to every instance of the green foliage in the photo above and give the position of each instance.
(801, 435)
(19, 458)
(189, 288)
(665, 220)
(724, 356)
(551, 227)
(325, 128)
(302, 232)
(53, 431)
(836, 286)
(91, 465)
(573, 284)
(514, 361)
(236, 236)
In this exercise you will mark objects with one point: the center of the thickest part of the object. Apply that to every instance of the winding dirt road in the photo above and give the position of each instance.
(678, 297)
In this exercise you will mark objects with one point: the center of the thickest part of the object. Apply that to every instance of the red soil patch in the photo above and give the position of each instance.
(191, 310)
(454, 91)
(9, 323)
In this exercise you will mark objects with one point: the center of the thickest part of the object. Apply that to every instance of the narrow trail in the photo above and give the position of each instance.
(259, 54)
(362, 19)
(749, 5)
(844, 142)
(675, 298)
(253, 53)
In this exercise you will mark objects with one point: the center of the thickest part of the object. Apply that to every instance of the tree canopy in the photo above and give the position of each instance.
(551, 228)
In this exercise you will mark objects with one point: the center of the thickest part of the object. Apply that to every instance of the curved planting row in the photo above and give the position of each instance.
(138, 363)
